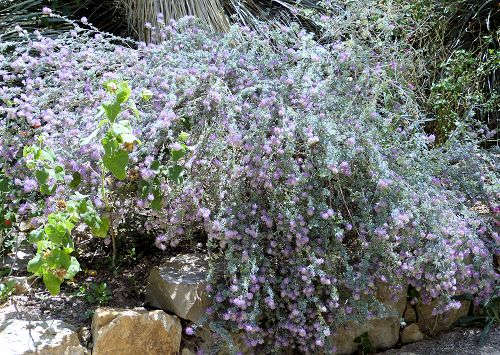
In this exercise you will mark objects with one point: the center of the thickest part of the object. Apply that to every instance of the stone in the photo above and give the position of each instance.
(393, 297)
(382, 332)
(25, 226)
(18, 259)
(410, 315)
(178, 286)
(135, 331)
(411, 334)
(21, 284)
(432, 325)
(50, 337)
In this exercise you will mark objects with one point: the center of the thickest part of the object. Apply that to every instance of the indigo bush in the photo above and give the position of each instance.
(302, 159)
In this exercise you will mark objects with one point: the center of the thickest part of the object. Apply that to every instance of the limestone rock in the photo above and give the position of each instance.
(411, 334)
(179, 285)
(410, 316)
(25, 226)
(21, 284)
(137, 331)
(51, 337)
(431, 325)
(18, 259)
(382, 332)
(393, 297)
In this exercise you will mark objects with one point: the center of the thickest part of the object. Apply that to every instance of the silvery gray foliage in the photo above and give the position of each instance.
(306, 166)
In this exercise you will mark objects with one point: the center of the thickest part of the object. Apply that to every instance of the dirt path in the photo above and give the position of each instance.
(457, 342)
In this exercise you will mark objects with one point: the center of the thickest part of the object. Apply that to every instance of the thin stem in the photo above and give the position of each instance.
(105, 197)
(113, 238)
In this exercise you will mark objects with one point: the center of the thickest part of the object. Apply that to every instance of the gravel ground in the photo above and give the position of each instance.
(457, 342)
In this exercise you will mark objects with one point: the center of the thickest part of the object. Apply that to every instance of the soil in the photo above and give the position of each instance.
(125, 283)
(459, 341)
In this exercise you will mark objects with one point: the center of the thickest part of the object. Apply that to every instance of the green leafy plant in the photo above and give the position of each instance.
(53, 261)
(459, 92)
(6, 289)
(365, 345)
(95, 293)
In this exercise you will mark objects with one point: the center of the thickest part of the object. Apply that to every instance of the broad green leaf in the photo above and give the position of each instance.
(155, 165)
(123, 93)
(112, 110)
(36, 235)
(84, 205)
(178, 154)
(57, 233)
(46, 190)
(52, 282)
(183, 137)
(115, 159)
(101, 229)
(47, 155)
(156, 203)
(73, 269)
(77, 179)
(116, 162)
(174, 173)
(35, 265)
(42, 176)
(4, 185)
(146, 94)
(59, 173)
(58, 259)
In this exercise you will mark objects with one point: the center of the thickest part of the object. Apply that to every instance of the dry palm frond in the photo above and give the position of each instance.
(141, 12)
(216, 14)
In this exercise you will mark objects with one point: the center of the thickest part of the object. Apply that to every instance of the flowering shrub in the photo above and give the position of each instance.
(304, 162)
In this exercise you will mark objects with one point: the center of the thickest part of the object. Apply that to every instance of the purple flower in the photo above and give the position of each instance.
(29, 185)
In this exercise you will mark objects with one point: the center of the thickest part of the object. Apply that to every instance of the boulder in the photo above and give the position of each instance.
(50, 337)
(431, 324)
(410, 315)
(18, 259)
(411, 334)
(393, 297)
(382, 332)
(21, 284)
(137, 331)
(178, 286)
